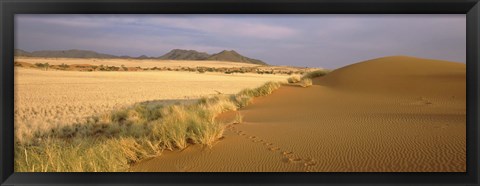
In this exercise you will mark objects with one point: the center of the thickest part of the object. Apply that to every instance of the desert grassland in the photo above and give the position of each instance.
(45, 99)
(104, 121)
(151, 63)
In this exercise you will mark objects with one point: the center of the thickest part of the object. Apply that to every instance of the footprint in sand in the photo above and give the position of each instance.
(441, 126)
(310, 163)
(425, 101)
(274, 148)
(292, 160)
(183, 168)
(288, 155)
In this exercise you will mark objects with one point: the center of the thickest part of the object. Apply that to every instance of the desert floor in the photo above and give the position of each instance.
(388, 114)
(46, 99)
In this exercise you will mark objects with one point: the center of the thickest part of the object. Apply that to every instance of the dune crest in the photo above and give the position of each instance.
(401, 75)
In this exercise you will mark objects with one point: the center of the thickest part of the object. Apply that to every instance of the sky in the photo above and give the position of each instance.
(328, 41)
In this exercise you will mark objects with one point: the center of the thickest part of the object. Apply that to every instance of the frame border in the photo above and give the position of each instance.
(8, 8)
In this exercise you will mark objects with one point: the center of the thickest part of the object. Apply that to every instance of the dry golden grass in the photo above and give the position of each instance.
(45, 99)
(144, 63)
(305, 82)
(85, 121)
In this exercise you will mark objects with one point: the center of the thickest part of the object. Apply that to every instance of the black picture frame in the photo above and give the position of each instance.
(8, 8)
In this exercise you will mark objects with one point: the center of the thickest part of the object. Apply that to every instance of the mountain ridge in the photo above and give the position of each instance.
(175, 54)
(232, 55)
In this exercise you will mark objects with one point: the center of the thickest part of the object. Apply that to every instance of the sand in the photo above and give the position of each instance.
(392, 114)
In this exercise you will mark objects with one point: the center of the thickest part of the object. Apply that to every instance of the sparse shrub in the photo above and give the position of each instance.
(40, 65)
(45, 66)
(64, 66)
(124, 68)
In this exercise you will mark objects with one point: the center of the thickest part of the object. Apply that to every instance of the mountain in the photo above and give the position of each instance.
(63, 54)
(70, 54)
(179, 54)
(19, 52)
(175, 54)
(231, 55)
(143, 57)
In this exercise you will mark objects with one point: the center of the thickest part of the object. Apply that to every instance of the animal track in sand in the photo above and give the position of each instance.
(291, 160)
(183, 168)
(310, 163)
(274, 148)
(288, 156)
(423, 101)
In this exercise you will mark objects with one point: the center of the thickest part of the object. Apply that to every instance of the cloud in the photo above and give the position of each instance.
(219, 26)
(224, 27)
(305, 40)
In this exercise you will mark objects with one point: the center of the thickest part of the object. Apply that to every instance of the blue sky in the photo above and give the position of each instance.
(329, 41)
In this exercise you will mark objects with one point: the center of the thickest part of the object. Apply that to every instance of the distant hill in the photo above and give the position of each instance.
(140, 57)
(231, 55)
(179, 54)
(175, 54)
(64, 54)
(19, 52)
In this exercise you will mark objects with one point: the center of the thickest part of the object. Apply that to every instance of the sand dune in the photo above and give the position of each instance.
(400, 75)
(392, 114)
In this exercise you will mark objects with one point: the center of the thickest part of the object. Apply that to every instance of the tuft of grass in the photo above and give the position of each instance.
(111, 142)
(314, 74)
(293, 79)
(306, 82)
(238, 118)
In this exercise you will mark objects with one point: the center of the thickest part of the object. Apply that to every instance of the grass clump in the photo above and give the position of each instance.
(293, 79)
(238, 118)
(314, 74)
(306, 82)
(113, 141)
